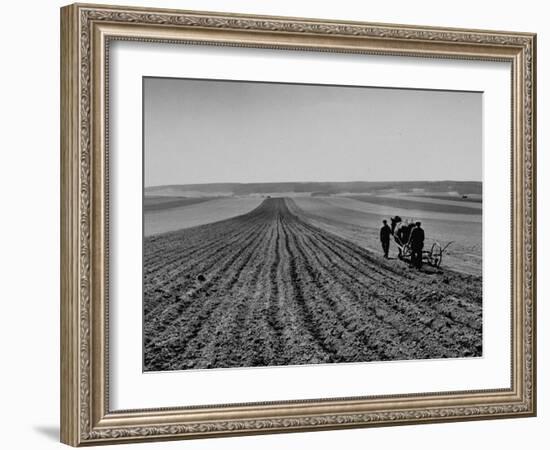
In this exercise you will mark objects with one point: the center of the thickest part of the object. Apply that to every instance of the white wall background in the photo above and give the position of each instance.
(29, 224)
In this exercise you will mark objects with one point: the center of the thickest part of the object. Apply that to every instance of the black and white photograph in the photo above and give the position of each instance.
(289, 224)
(239, 225)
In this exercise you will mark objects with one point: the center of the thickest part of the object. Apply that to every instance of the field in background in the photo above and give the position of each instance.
(158, 203)
(191, 212)
(357, 217)
(359, 220)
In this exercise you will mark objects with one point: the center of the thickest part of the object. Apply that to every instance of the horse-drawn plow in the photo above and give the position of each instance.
(431, 257)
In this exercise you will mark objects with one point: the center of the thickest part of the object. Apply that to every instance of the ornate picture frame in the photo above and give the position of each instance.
(87, 32)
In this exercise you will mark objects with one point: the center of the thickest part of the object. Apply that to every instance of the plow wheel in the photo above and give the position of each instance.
(435, 255)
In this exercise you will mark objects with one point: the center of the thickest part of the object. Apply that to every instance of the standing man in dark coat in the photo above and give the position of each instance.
(417, 244)
(385, 233)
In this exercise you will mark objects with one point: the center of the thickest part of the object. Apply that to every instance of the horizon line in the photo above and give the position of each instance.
(307, 182)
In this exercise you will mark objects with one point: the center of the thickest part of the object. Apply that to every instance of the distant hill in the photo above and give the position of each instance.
(326, 188)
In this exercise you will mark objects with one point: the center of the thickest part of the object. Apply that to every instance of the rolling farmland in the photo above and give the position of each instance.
(158, 203)
(359, 221)
(192, 212)
(269, 287)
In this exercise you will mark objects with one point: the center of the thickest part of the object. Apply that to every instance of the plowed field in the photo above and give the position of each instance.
(268, 288)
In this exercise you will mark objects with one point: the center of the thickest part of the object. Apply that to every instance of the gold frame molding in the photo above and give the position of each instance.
(86, 31)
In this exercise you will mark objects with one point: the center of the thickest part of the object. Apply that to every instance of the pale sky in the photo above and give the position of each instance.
(200, 131)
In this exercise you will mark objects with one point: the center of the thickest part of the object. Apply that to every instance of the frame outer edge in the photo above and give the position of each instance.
(533, 135)
(69, 184)
(79, 425)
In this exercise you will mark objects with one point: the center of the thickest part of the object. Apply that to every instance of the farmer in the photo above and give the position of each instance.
(416, 241)
(385, 233)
